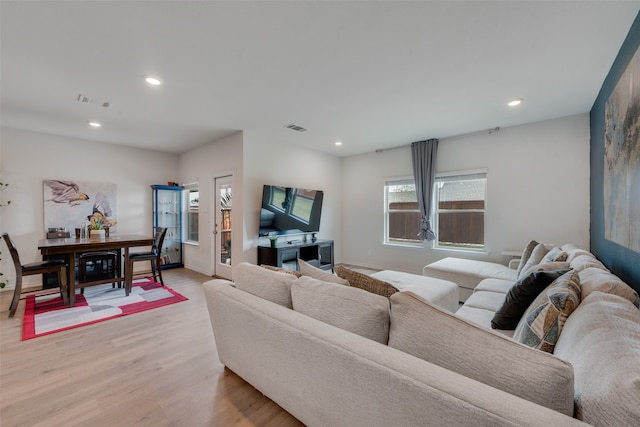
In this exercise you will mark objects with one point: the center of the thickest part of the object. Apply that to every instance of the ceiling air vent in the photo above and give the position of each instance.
(295, 127)
(93, 101)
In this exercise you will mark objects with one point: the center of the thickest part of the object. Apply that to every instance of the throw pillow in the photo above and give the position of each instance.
(546, 266)
(309, 270)
(526, 253)
(281, 270)
(555, 255)
(366, 282)
(445, 339)
(536, 257)
(352, 309)
(542, 323)
(520, 297)
(601, 340)
(274, 286)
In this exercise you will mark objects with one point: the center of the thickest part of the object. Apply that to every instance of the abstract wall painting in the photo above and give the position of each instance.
(70, 204)
(622, 159)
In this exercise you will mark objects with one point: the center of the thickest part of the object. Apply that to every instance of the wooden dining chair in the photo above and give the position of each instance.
(49, 266)
(153, 256)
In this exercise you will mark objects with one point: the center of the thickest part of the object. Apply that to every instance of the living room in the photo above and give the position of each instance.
(544, 179)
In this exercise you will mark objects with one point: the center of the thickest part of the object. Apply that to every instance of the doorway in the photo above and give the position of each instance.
(223, 188)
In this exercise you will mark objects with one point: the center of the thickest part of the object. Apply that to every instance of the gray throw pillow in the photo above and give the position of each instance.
(520, 297)
(526, 253)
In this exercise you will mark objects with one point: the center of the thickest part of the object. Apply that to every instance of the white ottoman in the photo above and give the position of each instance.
(440, 292)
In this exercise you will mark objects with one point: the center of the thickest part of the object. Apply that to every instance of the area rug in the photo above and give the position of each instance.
(47, 314)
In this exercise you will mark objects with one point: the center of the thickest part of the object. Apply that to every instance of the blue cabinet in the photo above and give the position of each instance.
(167, 212)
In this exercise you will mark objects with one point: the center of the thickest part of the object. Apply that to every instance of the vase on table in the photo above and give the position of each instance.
(97, 234)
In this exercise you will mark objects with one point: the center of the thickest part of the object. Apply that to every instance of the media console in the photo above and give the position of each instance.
(318, 253)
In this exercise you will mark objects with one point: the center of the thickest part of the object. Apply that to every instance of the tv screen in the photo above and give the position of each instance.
(288, 210)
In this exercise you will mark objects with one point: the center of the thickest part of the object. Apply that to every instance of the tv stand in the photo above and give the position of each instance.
(318, 253)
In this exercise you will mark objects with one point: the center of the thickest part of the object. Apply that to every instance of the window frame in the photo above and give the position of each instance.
(451, 177)
(406, 180)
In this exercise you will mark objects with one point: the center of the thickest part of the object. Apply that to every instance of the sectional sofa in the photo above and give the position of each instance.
(336, 355)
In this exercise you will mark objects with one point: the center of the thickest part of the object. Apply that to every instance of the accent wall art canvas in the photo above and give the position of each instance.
(622, 159)
(71, 204)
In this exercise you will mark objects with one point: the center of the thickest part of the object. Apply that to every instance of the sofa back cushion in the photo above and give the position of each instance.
(274, 286)
(352, 309)
(601, 339)
(594, 279)
(307, 269)
(437, 336)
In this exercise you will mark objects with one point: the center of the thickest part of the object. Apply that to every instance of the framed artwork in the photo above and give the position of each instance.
(622, 159)
(71, 204)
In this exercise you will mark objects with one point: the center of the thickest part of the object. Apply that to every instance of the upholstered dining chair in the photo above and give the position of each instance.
(104, 263)
(49, 266)
(153, 256)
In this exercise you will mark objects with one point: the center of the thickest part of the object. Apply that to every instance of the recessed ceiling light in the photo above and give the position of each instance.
(153, 81)
(515, 102)
(338, 143)
(94, 124)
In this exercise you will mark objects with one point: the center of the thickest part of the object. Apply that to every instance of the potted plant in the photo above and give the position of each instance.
(96, 228)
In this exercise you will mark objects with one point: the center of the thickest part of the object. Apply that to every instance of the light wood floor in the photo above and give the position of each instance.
(156, 368)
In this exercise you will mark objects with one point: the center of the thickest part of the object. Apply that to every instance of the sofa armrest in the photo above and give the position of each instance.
(514, 263)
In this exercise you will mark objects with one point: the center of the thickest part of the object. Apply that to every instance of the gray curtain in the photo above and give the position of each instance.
(423, 155)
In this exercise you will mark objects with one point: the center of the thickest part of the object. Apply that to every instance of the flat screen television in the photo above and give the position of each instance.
(289, 210)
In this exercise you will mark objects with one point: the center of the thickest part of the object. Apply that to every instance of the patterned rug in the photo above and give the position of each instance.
(46, 314)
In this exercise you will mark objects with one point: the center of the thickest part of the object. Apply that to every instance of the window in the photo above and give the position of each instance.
(459, 212)
(192, 200)
(402, 215)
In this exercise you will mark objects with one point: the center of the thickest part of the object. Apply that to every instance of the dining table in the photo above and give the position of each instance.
(72, 247)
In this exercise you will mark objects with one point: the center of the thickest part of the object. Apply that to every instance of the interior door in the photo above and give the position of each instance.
(222, 226)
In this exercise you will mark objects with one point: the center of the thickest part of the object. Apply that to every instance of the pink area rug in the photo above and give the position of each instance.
(46, 314)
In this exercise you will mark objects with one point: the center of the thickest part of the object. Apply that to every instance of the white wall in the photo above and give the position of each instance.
(28, 158)
(202, 165)
(272, 158)
(537, 188)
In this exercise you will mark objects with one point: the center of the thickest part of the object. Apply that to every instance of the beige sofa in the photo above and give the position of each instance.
(332, 355)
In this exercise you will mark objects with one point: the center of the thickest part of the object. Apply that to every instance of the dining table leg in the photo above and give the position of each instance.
(72, 279)
(128, 275)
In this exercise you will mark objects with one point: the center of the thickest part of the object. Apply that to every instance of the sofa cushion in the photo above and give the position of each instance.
(541, 324)
(366, 282)
(520, 297)
(595, 279)
(601, 340)
(274, 286)
(352, 309)
(467, 273)
(440, 292)
(500, 286)
(526, 253)
(438, 336)
(581, 262)
(536, 257)
(307, 269)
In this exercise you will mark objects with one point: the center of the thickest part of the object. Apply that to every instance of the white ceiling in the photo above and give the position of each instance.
(372, 74)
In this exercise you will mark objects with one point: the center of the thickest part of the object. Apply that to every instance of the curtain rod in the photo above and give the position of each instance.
(480, 132)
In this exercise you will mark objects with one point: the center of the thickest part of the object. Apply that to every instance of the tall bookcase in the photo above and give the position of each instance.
(167, 212)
